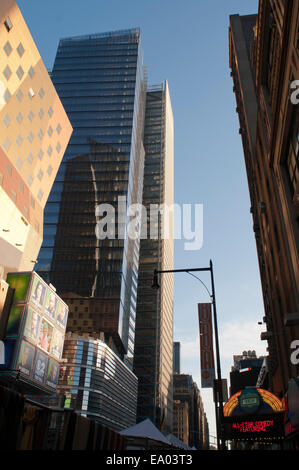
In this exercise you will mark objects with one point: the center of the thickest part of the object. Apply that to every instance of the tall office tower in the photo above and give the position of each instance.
(245, 371)
(181, 420)
(153, 360)
(264, 62)
(176, 357)
(100, 81)
(186, 390)
(34, 132)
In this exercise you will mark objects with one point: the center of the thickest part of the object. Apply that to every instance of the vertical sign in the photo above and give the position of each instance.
(206, 346)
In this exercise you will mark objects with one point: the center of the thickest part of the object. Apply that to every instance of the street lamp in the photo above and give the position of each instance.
(155, 285)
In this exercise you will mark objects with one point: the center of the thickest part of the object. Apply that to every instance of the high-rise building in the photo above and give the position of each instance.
(100, 80)
(34, 132)
(176, 357)
(96, 383)
(181, 420)
(264, 62)
(185, 390)
(245, 371)
(153, 360)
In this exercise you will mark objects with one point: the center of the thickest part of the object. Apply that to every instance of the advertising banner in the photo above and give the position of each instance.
(35, 332)
(32, 325)
(206, 345)
(38, 293)
(40, 367)
(26, 357)
(52, 373)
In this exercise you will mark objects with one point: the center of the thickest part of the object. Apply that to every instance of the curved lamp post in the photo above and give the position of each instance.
(218, 384)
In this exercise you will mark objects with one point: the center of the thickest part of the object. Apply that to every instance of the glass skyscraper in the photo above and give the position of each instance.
(100, 81)
(153, 358)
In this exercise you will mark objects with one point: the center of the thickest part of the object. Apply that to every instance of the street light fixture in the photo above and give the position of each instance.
(219, 418)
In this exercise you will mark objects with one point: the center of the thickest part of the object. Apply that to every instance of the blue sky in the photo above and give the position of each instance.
(186, 42)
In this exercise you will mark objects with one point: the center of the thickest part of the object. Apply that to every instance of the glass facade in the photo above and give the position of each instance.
(153, 358)
(100, 81)
(97, 384)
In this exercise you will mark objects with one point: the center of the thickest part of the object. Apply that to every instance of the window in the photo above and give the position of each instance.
(20, 72)
(40, 154)
(50, 131)
(40, 134)
(19, 163)
(19, 140)
(6, 144)
(19, 117)
(6, 120)
(30, 137)
(8, 24)
(7, 95)
(19, 95)
(7, 72)
(13, 195)
(49, 151)
(58, 147)
(30, 116)
(41, 93)
(26, 212)
(29, 180)
(49, 170)
(40, 195)
(20, 49)
(41, 113)
(31, 72)
(30, 158)
(50, 111)
(9, 169)
(40, 175)
(58, 129)
(7, 48)
(32, 202)
(292, 162)
(1, 179)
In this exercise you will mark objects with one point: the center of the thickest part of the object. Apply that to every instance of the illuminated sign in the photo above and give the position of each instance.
(35, 332)
(252, 400)
(20, 283)
(253, 426)
(249, 400)
(249, 427)
(206, 346)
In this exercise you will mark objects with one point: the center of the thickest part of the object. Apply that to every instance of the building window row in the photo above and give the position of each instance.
(20, 73)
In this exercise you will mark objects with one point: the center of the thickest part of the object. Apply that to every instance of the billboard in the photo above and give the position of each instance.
(36, 327)
(206, 345)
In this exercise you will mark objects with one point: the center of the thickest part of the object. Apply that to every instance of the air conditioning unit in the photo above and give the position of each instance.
(266, 335)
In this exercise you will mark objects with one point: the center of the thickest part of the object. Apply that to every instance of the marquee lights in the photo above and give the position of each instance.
(253, 426)
(267, 397)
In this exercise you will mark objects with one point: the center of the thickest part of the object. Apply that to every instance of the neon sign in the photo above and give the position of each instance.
(253, 426)
(268, 425)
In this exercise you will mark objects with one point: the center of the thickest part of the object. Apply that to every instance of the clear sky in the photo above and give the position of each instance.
(186, 42)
